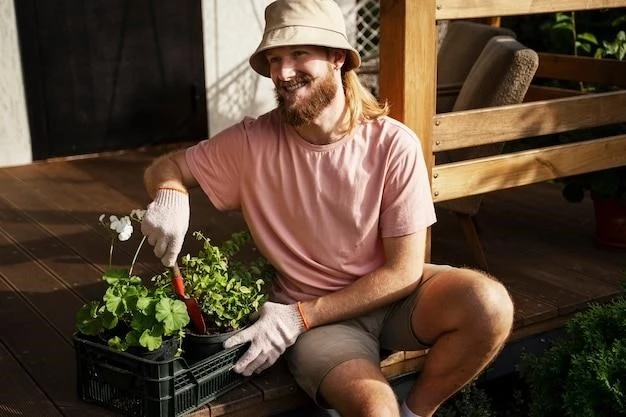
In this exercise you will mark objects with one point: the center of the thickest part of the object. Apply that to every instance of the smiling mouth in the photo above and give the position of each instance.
(290, 88)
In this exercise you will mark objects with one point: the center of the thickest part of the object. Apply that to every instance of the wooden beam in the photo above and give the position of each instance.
(463, 9)
(541, 92)
(482, 175)
(408, 61)
(497, 124)
(610, 72)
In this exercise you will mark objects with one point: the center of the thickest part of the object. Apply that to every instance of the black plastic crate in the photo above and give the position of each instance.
(139, 387)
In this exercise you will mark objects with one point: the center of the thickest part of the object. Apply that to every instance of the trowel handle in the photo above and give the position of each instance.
(177, 281)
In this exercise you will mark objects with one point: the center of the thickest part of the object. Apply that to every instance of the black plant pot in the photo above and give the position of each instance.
(197, 347)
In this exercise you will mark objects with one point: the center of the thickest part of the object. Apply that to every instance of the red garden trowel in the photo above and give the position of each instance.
(195, 314)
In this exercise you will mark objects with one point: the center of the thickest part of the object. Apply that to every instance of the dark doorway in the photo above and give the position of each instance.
(111, 74)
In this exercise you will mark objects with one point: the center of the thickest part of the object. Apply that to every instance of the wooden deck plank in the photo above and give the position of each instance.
(241, 398)
(204, 216)
(25, 269)
(20, 395)
(42, 352)
(82, 211)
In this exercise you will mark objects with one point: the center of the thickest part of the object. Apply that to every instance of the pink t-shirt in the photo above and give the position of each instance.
(317, 212)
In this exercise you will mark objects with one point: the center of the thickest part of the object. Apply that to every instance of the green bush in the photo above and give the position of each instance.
(471, 401)
(582, 374)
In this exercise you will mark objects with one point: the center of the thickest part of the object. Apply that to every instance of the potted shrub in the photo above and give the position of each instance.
(130, 316)
(227, 290)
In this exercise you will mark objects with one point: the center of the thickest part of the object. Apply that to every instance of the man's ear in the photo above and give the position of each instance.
(337, 57)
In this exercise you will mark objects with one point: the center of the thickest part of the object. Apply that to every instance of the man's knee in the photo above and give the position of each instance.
(464, 299)
(489, 304)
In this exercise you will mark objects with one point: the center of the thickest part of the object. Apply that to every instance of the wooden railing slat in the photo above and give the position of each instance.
(463, 9)
(540, 92)
(610, 72)
(498, 124)
(482, 175)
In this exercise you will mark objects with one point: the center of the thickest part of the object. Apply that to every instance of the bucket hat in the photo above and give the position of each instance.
(303, 22)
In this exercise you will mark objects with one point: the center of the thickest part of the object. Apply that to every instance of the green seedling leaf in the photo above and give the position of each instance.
(149, 341)
(117, 343)
(172, 314)
(114, 276)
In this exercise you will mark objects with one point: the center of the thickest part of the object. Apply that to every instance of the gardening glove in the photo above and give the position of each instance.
(277, 328)
(165, 224)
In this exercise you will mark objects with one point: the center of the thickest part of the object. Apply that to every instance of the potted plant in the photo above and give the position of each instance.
(607, 189)
(130, 316)
(227, 290)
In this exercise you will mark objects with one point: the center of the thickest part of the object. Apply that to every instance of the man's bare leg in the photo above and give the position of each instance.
(358, 388)
(467, 316)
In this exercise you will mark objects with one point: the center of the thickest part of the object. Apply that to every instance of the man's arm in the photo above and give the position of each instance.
(167, 216)
(397, 278)
(169, 171)
(280, 325)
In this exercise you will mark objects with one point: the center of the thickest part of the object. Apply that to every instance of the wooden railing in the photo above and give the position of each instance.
(408, 79)
(461, 9)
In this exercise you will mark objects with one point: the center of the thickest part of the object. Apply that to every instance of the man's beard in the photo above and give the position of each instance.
(305, 110)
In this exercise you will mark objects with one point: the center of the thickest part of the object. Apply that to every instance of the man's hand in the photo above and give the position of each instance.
(277, 328)
(165, 224)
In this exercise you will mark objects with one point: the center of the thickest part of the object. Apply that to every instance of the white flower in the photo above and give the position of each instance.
(101, 218)
(122, 226)
(137, 214)
(126, 233)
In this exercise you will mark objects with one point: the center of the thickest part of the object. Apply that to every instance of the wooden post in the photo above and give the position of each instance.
(408, 63)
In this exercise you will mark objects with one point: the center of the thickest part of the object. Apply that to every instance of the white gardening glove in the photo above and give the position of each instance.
(277, 328)
(165, 224)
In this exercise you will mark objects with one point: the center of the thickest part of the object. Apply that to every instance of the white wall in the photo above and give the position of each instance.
(232, 31)
(15, 146)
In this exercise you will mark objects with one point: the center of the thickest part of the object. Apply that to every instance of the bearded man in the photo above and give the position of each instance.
(336, 196)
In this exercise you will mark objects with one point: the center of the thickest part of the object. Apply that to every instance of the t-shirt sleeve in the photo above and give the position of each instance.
(217, 165)
(407, 205)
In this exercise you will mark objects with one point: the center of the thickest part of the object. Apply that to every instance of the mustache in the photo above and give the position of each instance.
(299, 78)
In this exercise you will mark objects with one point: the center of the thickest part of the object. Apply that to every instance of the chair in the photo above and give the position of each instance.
(459, 49)
(500, 76)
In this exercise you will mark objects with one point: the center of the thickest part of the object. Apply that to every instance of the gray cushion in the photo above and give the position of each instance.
(501, 76)
(460, 48)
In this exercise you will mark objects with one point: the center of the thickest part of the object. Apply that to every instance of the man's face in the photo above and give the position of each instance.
(304, 82)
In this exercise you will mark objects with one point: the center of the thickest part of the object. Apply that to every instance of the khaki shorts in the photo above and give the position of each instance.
(321, 349)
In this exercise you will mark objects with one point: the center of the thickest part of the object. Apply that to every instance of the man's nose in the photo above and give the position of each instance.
(286, 70)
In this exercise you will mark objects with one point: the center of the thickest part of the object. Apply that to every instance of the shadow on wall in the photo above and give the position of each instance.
(234, 96)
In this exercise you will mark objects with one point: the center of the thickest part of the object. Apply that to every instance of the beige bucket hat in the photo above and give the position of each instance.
(303, 22)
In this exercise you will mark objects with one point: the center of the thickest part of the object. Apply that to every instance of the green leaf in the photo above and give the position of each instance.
(117, 343)
(562, 17)
(140, 322)
(563, 25)
(132, 338)
(88, 320)
(113, 276)
(109, 320)
(143, 303)
(150, 341)
(173, 314)
(589, 37)
(115, 304)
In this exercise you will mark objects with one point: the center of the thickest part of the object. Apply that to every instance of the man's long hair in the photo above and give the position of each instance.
(362, 105)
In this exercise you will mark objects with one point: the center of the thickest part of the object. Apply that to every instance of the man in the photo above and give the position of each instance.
(336, 196)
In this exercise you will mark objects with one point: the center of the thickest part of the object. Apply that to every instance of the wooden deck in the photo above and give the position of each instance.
(52, 253)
